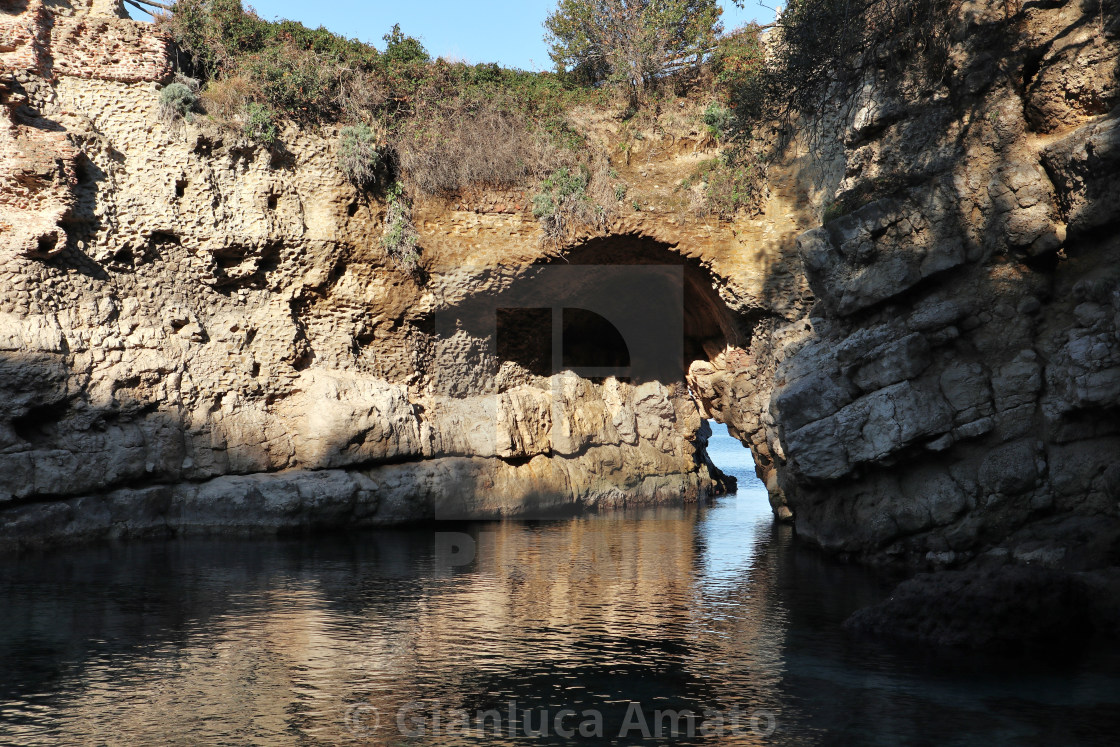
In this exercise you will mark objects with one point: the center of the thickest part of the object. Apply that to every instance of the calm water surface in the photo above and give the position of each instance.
(631, 616)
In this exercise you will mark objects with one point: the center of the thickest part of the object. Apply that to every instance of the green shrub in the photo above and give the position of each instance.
(562, 185)
(403, 50)
(349, 52)
(565, 201)
(260, 124)
(834, 209)
(719, 120)
(176, 101)
(358, 155)
(292, 81)
(215, 32)
(728, 184)
(399, 237)
(218, 33)
(739, 64)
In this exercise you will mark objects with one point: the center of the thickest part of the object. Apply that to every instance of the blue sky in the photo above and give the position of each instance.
(506, 31)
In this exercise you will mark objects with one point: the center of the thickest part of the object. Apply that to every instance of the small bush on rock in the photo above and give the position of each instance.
(560, 186)
(732, 187)
(461, 143)
(400, 237)
(260, 124)
(563, 202)
(718, 119)
(728, 184)
(358, 155)
(176, 101)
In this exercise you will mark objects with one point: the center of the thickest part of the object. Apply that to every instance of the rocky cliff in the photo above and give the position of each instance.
(199, 333)
(955, 394)
(916, 335)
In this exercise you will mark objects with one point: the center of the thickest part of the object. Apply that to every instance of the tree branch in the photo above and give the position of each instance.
(141, 3)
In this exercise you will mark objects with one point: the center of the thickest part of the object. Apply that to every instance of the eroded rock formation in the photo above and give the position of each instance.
(198, 333)
(957, 395)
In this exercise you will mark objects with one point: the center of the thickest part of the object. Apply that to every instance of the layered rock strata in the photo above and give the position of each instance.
(953, 395)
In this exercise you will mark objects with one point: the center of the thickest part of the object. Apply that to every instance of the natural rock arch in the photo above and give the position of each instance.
(547, 321)
(593, 270)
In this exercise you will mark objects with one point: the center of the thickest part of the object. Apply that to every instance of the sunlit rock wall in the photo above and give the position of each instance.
(198, 333)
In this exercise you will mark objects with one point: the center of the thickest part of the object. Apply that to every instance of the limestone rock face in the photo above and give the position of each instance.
(199, 334)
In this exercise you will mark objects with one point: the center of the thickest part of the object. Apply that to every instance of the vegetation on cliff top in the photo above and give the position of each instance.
(442, 128)
(445, 125)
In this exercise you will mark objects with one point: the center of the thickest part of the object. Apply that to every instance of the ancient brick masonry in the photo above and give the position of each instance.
(510, 202)
(109, 49)
(37, 159)
(25, 38)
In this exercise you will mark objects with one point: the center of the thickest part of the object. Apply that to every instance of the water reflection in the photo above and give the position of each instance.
(329, 640)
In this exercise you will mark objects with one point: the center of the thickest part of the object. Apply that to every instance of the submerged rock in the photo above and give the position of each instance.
(998, 610)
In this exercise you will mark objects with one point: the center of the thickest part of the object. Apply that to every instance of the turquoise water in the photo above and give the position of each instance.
(619, 625)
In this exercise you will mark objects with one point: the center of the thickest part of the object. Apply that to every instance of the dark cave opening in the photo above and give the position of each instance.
(708, 324)
(524, 336)
(588, 340)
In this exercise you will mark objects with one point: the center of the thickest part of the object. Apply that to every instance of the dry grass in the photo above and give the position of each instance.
(578, 197)
(360, 93)
(225, 99)
(486, 147)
